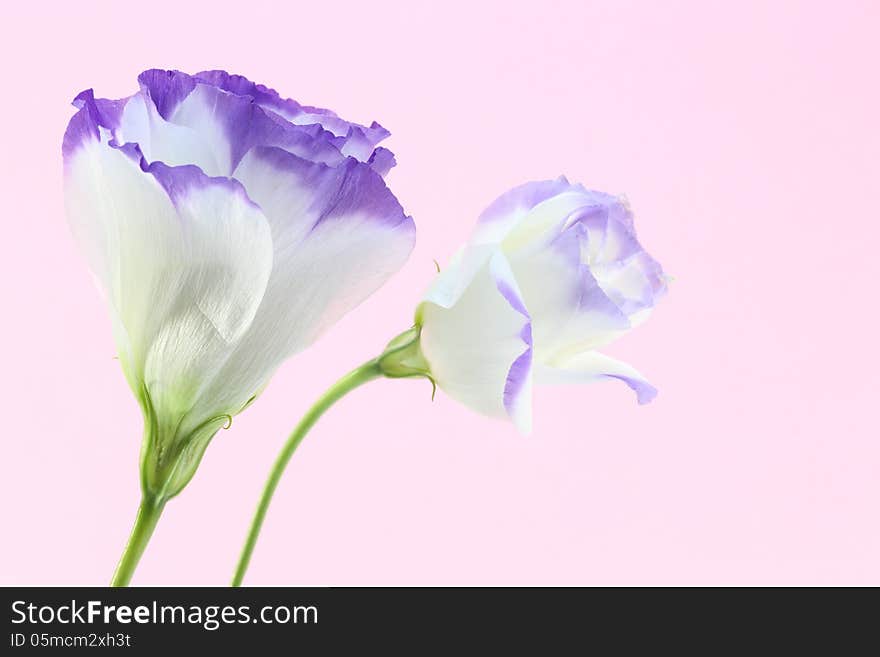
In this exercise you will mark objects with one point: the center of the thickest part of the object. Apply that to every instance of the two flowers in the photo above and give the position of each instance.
(229, 227)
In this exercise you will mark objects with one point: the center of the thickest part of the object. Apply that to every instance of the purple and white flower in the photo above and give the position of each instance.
(228, 228)
(552, 272)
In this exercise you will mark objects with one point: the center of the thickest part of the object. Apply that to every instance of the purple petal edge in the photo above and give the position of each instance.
(166, 89)
(512, 297)
(94, 114)
(178, 181)
(348, 189)
(521, 367)
(519, 371)
(645, 392)
(525, 197)
(253, 116)
(345, 134)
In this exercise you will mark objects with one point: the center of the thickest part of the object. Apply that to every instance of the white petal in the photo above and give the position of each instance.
(479, 347)
(339, 234)
(184, 270)
(452, 281)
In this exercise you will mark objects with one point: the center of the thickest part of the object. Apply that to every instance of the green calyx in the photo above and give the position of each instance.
(403, 357)
(169, 459)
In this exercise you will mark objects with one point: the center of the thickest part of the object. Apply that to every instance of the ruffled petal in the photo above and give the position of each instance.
(212, 128)
(591, 366)
(92, 116)
(478, 341)
(213, 119)
(355, 140)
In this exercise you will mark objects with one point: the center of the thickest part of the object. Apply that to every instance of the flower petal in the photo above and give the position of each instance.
(629, 276)
(178, 119)
(85, 126)
(213, 119)
(518, 385)
(592, 366)
(160, 140)
(356, 140)
(184, 260)
(339, 234)
(221, 281)
(570, 312)
(534, 203)
(478, 340)
(452, 281)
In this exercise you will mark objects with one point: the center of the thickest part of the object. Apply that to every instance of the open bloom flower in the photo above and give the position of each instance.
(228, 228)
(552, 272)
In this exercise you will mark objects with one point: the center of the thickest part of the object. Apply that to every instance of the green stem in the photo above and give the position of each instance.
(147, 516)
(357, 377)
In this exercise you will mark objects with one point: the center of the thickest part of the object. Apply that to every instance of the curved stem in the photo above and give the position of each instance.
(357, 377)
(148, 515)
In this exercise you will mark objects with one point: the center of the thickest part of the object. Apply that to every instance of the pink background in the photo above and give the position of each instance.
(745, 136)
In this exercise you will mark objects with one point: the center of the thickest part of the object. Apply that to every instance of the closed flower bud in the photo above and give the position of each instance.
(552, 273)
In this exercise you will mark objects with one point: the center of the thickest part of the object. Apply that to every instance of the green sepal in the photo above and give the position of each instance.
(169, 459)
(403, 357)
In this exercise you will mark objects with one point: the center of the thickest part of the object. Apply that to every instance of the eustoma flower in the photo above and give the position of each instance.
(228, 227)
(552, 273)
